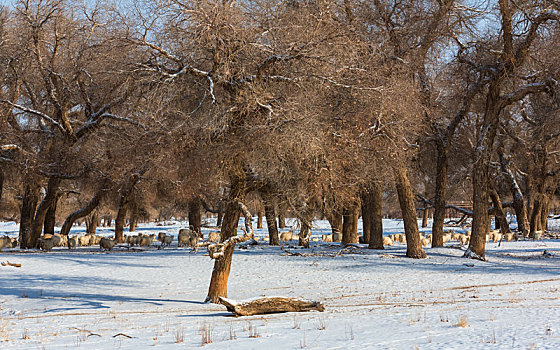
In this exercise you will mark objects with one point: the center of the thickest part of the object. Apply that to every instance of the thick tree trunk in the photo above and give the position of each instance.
(281, 217)
(544, 213)
(305, 230)
(219, 218)
(500, 216)
(335, 219)
(260, 215)
(440, 195)
(376, 221)
(195, 215)
(222, 266)
(366, 214)
(535, 222)
(120, 219)
(133, 220)
(518, 200)
(406, 201)
(50, 218)
(350, 217)
(28, 209)
(480, 177)
(270, 215)
(91, 223)
(50, 198)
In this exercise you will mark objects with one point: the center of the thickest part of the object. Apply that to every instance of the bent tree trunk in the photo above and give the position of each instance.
(376, 217)
(50, 199)
(440, 195)
(350, 223)
(406, 201)
(80, 213)
(27, 213)
(91, 223)
(222, 265)
(121, 216)
(270, 215)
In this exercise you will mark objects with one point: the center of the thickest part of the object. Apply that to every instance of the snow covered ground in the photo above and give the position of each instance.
(374, 299)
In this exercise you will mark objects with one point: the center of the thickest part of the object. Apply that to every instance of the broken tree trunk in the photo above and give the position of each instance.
(270, 305)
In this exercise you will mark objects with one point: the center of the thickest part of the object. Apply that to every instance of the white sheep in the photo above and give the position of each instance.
(106, 244)
(387, 240)
(326, 238)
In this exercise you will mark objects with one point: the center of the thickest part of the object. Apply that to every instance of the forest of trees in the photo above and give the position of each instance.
(145, 110)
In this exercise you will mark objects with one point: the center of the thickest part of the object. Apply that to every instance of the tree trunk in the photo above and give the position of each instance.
(518, 200)
(222, 266)
(376, 220)
(270, 219)
(281, 217)
(366, 214)
(335, 219)
(1, 185)
(50, 218)
(220, 218)
(425, 215)
(50, 198)
(500, 216)
(133, 220)
(80, 213)
(91, 223)
(260, 219)
(305, 230)
(120, 219)
(406, 201)
(195, 215)
(481, 170)
(350, 216)
(544, 213)
(440, 195)
(28, 208)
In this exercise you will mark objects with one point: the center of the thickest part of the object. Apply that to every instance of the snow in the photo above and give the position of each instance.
(374, 299)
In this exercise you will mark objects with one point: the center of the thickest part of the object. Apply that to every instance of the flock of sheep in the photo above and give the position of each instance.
(190, 238)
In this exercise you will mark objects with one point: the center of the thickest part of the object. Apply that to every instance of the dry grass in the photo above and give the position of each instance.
(179, 334)
(253, 332)
(206, 332)
(322, 325)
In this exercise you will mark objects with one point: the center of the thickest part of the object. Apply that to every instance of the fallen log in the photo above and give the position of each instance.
(7, 263)
(270, 305)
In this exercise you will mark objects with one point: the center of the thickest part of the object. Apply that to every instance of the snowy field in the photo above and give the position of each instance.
(374, 299)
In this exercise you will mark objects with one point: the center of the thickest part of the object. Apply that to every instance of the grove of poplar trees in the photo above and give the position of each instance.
(144, 110)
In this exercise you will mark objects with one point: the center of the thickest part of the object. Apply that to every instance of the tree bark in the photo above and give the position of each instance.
(350, 216)
(376, 220)
(406, 201)
(366, 214)
(260, 215)
(281, 217)
(1, 184)
(195, 215)
(270, 215)
(335, 220)
(120, 219)
(222, 266)
(270, 305)
(50, 198)
(91, 223)
(85, 211)
(499, 215)
(50, 218)
(518, 200)
(544, 213)
(27, 213)
(305, 230)
(425, 216)
(440, 195)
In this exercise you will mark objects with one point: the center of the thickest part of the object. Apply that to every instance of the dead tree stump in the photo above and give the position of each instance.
(270, 305)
